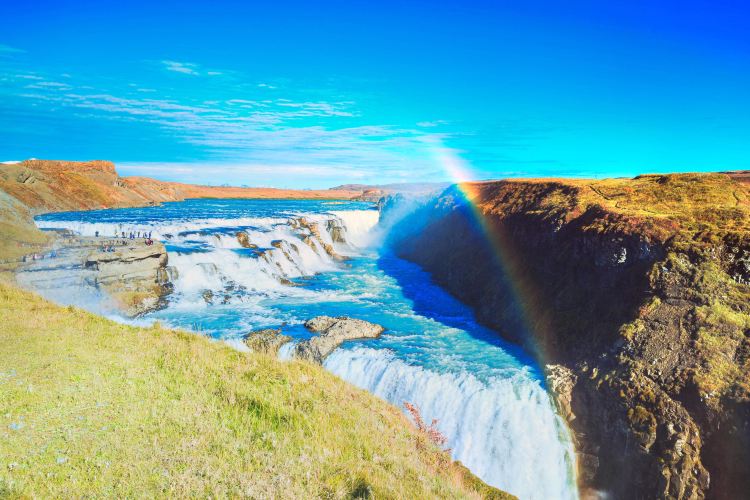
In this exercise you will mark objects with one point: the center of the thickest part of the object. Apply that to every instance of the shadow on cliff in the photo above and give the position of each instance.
(431, 301)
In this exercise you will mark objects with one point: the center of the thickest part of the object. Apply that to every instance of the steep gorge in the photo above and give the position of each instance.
(634, 294)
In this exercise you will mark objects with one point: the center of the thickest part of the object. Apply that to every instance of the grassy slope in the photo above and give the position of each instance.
(89, 407)
(18, 234)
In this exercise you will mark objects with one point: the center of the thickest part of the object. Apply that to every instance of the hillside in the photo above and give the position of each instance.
(89, 407)
(47, 186)
(635, 293)
(19, 234)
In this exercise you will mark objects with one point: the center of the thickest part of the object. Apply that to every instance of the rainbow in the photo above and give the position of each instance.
(507, 257)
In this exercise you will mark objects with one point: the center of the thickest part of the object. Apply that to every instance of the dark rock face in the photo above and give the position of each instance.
(622, 315)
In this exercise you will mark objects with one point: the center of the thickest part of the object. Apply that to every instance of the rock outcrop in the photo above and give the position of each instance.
(332, 333)
(134, 276)
(634, 293)
(244, 240)
(267, 341)
(310, 235)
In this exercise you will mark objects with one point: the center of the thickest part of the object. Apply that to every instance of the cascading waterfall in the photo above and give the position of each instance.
(504, 430)
(242, 265)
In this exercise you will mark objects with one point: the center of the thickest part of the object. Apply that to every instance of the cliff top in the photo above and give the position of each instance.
(659, 205)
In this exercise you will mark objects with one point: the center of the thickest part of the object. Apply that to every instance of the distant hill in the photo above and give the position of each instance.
(50, 185)
(396, 187)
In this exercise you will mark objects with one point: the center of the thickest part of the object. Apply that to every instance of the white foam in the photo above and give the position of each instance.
(359, 225)
(218, 266)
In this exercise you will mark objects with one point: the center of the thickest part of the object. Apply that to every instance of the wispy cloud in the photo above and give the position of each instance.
(247, 135)
(181, 67)
(48, 85)
(189, 68)
(430, 124)
(28, 77)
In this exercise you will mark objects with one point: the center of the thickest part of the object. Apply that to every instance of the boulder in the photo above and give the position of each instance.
(267, 341)
(332, 333)
(244, 240)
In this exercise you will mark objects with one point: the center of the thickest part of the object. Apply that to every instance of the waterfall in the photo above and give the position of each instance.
(235, 274)
(504, 430)
(359, 225)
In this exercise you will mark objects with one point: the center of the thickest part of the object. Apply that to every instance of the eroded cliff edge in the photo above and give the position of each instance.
(634, 294)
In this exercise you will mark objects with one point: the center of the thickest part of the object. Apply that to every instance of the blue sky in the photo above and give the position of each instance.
(313, 94)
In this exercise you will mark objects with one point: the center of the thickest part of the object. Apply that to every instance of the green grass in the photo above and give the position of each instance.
(89, 407)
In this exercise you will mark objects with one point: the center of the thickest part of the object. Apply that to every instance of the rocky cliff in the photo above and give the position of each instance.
(124, 276)
(634, 294)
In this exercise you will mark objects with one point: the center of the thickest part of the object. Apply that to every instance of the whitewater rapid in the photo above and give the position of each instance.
(488, 398)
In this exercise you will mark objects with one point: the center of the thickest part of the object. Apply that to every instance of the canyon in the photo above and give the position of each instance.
(634, 294)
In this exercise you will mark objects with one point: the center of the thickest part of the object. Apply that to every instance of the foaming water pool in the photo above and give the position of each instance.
(487, 395)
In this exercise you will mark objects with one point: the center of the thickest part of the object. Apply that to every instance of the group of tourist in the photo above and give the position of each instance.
(136, 235)
(132, 235)
(110, 245)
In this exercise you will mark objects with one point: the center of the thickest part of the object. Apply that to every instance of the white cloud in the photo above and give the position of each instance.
(49, 85)
(181, 67)
(188, 68)
(282, 139)
(430, 124)
(29, 77)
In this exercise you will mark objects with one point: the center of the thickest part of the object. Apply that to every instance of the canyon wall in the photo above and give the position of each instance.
(634, 294)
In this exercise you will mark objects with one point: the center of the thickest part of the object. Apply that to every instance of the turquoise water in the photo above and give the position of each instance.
(487, 395)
